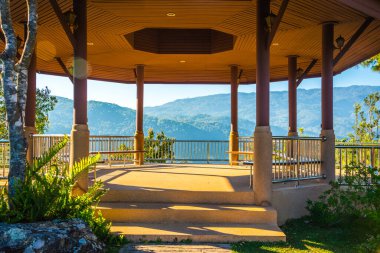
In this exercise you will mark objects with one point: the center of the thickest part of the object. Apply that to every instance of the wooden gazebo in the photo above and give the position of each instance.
(232, 42)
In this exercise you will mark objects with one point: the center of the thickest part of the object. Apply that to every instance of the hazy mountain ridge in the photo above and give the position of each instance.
(208, 117)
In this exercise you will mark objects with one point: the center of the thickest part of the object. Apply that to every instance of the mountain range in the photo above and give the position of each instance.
(208, 117)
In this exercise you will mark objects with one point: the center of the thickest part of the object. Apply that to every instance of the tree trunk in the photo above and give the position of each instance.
(15, 84)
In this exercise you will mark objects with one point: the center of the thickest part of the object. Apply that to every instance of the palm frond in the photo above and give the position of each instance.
(84, 165)
(47, 157)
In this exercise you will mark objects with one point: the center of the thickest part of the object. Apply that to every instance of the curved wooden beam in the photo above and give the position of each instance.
(65, 69)
(307, 70)
(277, 22)
(353, 39)
(61, 19)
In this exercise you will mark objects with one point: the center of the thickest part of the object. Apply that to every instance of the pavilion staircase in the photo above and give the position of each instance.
(175, 216)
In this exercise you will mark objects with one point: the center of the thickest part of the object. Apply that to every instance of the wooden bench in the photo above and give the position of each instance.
(110, 153)
(246, 154)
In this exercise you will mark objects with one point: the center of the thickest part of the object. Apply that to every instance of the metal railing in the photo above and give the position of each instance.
(4, 159)
(296, 158)
(246, 145)
(186, 151)
(100, 143)
(351, 154)
(42, 143)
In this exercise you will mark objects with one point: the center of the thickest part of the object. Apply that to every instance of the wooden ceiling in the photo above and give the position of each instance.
(111, 57)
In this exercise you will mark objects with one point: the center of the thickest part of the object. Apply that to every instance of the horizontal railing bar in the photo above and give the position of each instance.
(298, 138)
(297, 179)
(358, 147)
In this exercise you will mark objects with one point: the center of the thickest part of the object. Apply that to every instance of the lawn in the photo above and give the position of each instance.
(302, 236)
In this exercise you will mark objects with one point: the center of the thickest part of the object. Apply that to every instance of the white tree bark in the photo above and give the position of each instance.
(15, 84)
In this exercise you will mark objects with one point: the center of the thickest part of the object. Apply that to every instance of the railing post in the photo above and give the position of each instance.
(208, 153)
(298, 162)
(372, 157)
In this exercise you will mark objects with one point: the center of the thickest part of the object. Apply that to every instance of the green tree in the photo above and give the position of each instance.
(44, 104)
(367, 119)
(373, 63)
(159, 148)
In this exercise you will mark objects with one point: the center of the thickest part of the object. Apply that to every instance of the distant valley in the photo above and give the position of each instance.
(208, 117)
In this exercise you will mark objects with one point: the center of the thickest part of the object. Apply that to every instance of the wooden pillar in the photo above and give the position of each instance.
(292, 94)
(234, 134)
(262, 178)
(30, 108)
(79, 144)
(139, 135)
(327, 75)
(328, 146)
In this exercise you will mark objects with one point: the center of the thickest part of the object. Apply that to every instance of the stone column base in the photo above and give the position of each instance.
(234, 146)
(139, 145)
(28, 132)
(79, 148)
(262, 173)
(328, 155)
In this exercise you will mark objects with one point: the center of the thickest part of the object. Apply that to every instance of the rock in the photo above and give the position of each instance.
(71, 235)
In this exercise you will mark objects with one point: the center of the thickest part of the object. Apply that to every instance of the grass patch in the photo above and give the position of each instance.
(303, 236)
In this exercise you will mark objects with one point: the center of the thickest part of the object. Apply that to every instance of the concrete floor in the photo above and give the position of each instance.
(177, 177)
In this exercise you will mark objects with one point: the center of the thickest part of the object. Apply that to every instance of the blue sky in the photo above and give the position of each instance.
(155, 94)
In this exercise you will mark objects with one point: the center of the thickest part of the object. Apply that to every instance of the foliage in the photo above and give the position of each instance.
(124, 157)
(354, 198)
(373, 63)
(45, 103)
(47, 194)
(159, 149)
(367, 119)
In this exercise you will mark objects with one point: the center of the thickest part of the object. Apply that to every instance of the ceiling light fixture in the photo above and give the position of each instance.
(339, 42)
(170, 14)
(182, 61)
(275, 44)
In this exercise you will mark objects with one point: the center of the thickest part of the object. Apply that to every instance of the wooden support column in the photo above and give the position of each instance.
(262, 178)
(80, 133)
(328, 146)
(30, 108)
(292, 94)
(234, 134)
(139, 135)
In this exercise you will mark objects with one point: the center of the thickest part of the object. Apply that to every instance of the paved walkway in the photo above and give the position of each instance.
(176, 248)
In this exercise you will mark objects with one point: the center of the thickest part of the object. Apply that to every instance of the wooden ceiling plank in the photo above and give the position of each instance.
(353, 39)
(61, 18)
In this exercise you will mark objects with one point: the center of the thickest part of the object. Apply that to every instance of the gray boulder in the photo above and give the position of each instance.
(71, 235)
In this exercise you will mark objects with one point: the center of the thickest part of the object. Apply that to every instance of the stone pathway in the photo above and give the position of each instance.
(176, 248)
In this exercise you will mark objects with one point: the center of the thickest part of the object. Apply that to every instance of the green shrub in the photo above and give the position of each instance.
(354, 200)
(47, 194)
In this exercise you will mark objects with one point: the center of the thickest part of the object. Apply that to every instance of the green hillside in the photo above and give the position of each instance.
(208, 117)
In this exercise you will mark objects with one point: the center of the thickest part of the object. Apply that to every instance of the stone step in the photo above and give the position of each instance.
(187, 213)
(211, 233)
(182, 197)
